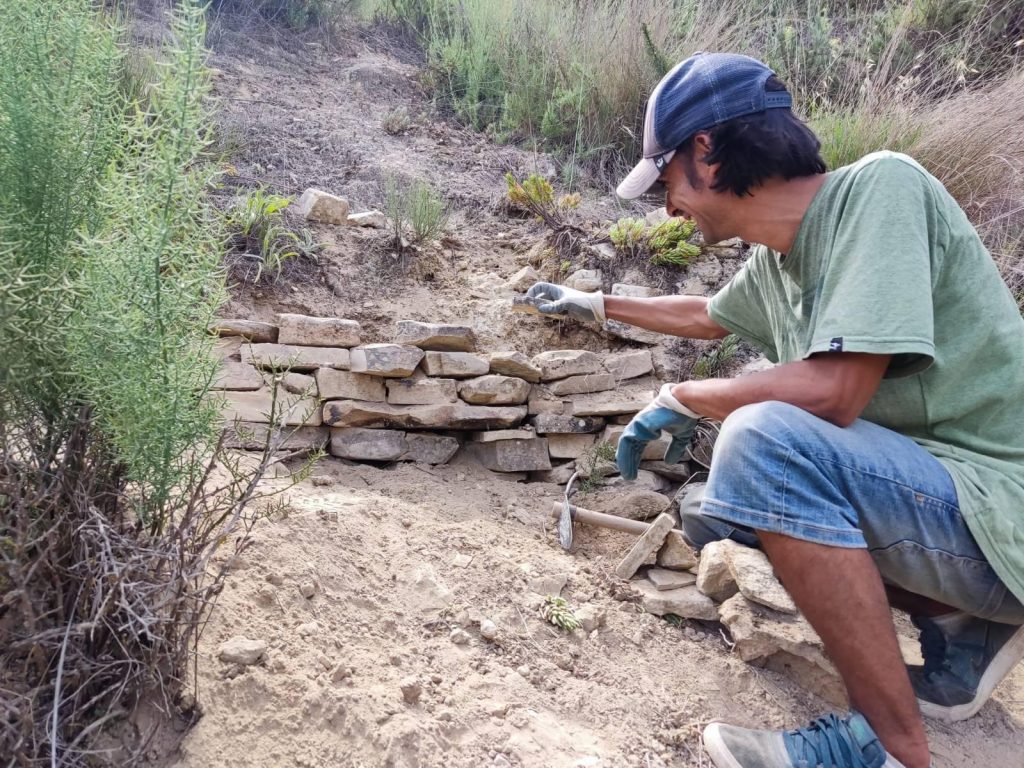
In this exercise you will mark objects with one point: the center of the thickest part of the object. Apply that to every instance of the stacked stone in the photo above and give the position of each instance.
(424, 394)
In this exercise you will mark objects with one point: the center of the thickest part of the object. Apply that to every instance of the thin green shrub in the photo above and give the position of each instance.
(665, 244)
(416, 211)
(258, 237)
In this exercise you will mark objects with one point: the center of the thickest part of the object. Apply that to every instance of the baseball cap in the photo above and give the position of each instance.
(698, 93)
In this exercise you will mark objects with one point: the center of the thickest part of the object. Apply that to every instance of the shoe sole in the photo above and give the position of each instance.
(715, 746)
(1007, 658)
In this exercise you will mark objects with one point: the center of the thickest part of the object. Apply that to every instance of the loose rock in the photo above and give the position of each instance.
(714, 577)
(686, 602)
(635, 504)
(757, 581)
(522, 280)
(562, 363)
(368, 444)
(587, 280)
(373, 219)
(421, 391)
(514, 364)
(494, 390)
(512, 455)
(759, 632)
(333, 384)
(459, 636)
(457, 365)
(664, 579)
(581, 385)
(436, 337)
(411, 690)
(317, 205)
(307, 589)
(389, 360)
(242, 650)
(317, 331)
(488, 629)
(649, 542)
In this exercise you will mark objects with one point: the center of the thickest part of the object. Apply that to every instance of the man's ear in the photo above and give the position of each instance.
(702, 147)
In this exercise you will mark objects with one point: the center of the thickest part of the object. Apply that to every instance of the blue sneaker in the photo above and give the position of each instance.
(828, 742)
(965, 658)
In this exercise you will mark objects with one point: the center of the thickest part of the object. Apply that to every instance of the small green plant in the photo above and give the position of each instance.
(535, 195)
(257, 232)
(627, 235)
(712, 362)
(669, 243)
(556, 611)
(592, 464)
(417, 212)
(396, 121)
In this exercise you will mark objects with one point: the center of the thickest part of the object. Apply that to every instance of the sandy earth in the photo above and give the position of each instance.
(399, 557)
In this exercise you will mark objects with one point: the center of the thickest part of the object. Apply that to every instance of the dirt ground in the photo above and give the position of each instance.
(399, 557)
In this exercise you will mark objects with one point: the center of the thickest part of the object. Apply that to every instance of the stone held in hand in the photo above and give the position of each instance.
(309, 331)
(494, 390)
(387, 360)
(514, 364)
(317, 205)
(562, 363)
(435, 337)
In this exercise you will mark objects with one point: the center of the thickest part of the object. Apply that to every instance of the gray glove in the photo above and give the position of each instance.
(568, 301)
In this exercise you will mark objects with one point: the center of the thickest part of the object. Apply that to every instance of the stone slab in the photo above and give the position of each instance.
(421, 391)
(562, 363)
(429, 449)
(456, 416)
(714, 577)
(494, 435)
(435, 337)
(252, 330)
(632, 503)
(386, 360)
(527, 306)
(512, 455)
(294, 358)
(610, 404)
(308, 331)
(563, 446)
(649, 542)
(350, 386)
(514, 364)
(542, 401)
(317, 205)
(368, 444)
(291, 409)
(253, 436)
(582, 385)
(665, 579)
(630, 365)
(685, 602)
(456, 365)
(546, 423)
(241, 376)
(758, 632)
(676, 553)
(300, 384)
(494, 389)
(756, 579)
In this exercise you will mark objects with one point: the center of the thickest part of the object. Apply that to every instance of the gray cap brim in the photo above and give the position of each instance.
(641, 178)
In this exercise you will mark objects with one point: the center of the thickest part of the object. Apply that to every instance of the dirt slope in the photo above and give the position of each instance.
(386, 550)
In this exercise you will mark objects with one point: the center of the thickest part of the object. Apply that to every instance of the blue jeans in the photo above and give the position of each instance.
(779, 469)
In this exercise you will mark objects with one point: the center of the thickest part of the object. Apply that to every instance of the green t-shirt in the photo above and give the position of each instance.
(886, 262)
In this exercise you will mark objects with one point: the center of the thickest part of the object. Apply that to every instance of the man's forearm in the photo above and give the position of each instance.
(685, 316)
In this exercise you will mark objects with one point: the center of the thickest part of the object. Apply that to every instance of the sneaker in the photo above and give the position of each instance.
(829, 742)
(965, 658)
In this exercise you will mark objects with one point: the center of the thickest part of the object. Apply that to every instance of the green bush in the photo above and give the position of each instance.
(417, 212)
(258, 236)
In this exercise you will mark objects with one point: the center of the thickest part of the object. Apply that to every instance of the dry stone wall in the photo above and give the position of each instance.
(425, 394)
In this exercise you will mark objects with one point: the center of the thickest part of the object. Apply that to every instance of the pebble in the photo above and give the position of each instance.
(488, 629)
(242, 650)
(524, 670)
(307, 629)
(436, 679)
(307, 589)
(459, 636)
(411, 690)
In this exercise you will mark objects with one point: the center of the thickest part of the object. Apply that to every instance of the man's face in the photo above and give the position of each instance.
(688, 193)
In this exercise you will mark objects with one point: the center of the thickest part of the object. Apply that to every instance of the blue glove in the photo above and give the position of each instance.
(568, 301)
(663, 414)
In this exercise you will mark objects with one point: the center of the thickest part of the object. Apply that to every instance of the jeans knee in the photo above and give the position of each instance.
(747, 429)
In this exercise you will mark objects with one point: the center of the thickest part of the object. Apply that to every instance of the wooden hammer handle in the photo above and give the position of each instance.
(601, 519)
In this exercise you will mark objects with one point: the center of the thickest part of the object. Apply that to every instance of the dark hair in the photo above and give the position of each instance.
(754, 148)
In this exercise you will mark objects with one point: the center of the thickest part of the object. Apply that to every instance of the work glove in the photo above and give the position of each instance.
(663, 414)
(568, 301)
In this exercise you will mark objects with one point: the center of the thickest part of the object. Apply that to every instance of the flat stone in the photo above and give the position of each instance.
(587, 280)
(636, 291)
(389, 360)
(494, 390)
(756, 579)
(436, 337)
(232, 375)
(610, 404)
(630, 365)
(559, 475)
(427, 592)
(421, 391)
(514, 364)
(714, 577)
(522, 280)
(548, 585)
(632, 504)
(494, 435)
(685, 602)
(300, 383)
(677, 473)
(664, 579)
(647, 544)
(290, 409)
(457, 365)
(654, 450)
(644, 480)
(541, 401)
(351, 413)
(373, 219)
(562, 363)
(318, 331)
(429, 449)
(242, 650)
(317, 205)
(368, 444)
(581, 385)
(632, 333)
(569, 425)
(759, 632)
(228, 348)
(254, 436)
(294, 358)
(526, 305)
(676, 553)
(570, 446)
(351, 386)
(247, 329)
(512, 455)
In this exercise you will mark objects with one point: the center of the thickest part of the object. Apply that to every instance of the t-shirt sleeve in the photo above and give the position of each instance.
(875, 292)
(740, 306)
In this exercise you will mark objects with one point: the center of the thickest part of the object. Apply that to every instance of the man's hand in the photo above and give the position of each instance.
(663, 414)
(568, 301)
